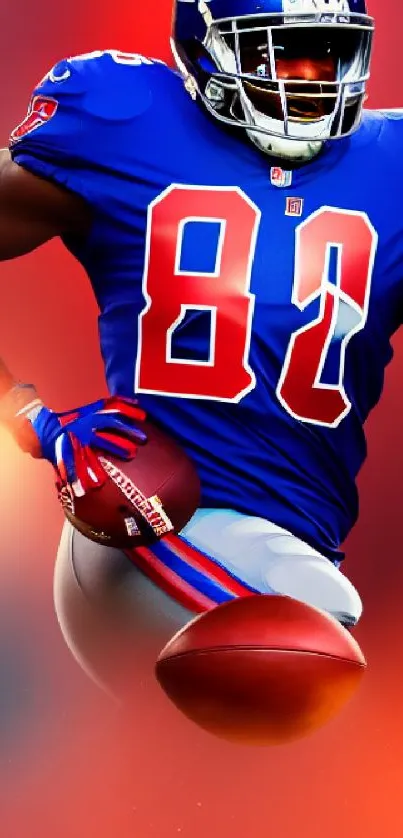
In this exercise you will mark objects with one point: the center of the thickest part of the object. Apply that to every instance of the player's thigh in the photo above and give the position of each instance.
(111, 616)
(272, 560)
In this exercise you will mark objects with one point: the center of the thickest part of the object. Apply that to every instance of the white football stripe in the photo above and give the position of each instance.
(315, 6)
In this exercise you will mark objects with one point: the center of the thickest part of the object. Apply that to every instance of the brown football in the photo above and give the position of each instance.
(261, 669)
(142, 500)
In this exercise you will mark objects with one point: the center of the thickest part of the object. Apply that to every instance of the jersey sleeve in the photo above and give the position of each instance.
(72, 124)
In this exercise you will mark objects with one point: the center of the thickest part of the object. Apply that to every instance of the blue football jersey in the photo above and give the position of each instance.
(250, 308)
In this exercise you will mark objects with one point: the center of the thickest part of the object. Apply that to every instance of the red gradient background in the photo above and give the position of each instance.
(69, 766)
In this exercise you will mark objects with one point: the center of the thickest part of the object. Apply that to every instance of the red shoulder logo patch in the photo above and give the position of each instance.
(40, 110)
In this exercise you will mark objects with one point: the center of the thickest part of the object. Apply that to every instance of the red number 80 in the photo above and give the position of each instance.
(226, 375)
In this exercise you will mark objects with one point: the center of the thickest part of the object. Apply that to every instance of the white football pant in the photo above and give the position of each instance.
(272, 560)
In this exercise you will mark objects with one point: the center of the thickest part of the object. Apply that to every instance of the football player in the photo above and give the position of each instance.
(248, 278)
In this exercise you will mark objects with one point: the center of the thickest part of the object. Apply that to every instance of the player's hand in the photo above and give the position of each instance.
(69, 440)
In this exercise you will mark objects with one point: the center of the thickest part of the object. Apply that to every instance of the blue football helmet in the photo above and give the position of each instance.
(293, 73)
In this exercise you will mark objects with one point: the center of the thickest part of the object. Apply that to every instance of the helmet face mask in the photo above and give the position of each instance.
(299, 77)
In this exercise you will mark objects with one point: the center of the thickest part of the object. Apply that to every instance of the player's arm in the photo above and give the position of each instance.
(34, 210)
(67, 440)
(47, 182)
(52, 180)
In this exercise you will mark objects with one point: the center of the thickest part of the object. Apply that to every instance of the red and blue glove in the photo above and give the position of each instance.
(70, 440)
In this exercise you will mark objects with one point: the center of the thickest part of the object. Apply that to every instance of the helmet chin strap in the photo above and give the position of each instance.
(296, 151)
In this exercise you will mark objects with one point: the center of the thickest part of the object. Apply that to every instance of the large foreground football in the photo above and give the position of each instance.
(142, 500)
(261, 670)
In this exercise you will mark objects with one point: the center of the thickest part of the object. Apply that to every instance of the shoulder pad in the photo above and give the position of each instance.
(112, 85)
(69, 131)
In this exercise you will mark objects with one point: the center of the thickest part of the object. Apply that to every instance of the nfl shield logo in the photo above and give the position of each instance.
(294, 206)
(279, 177)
